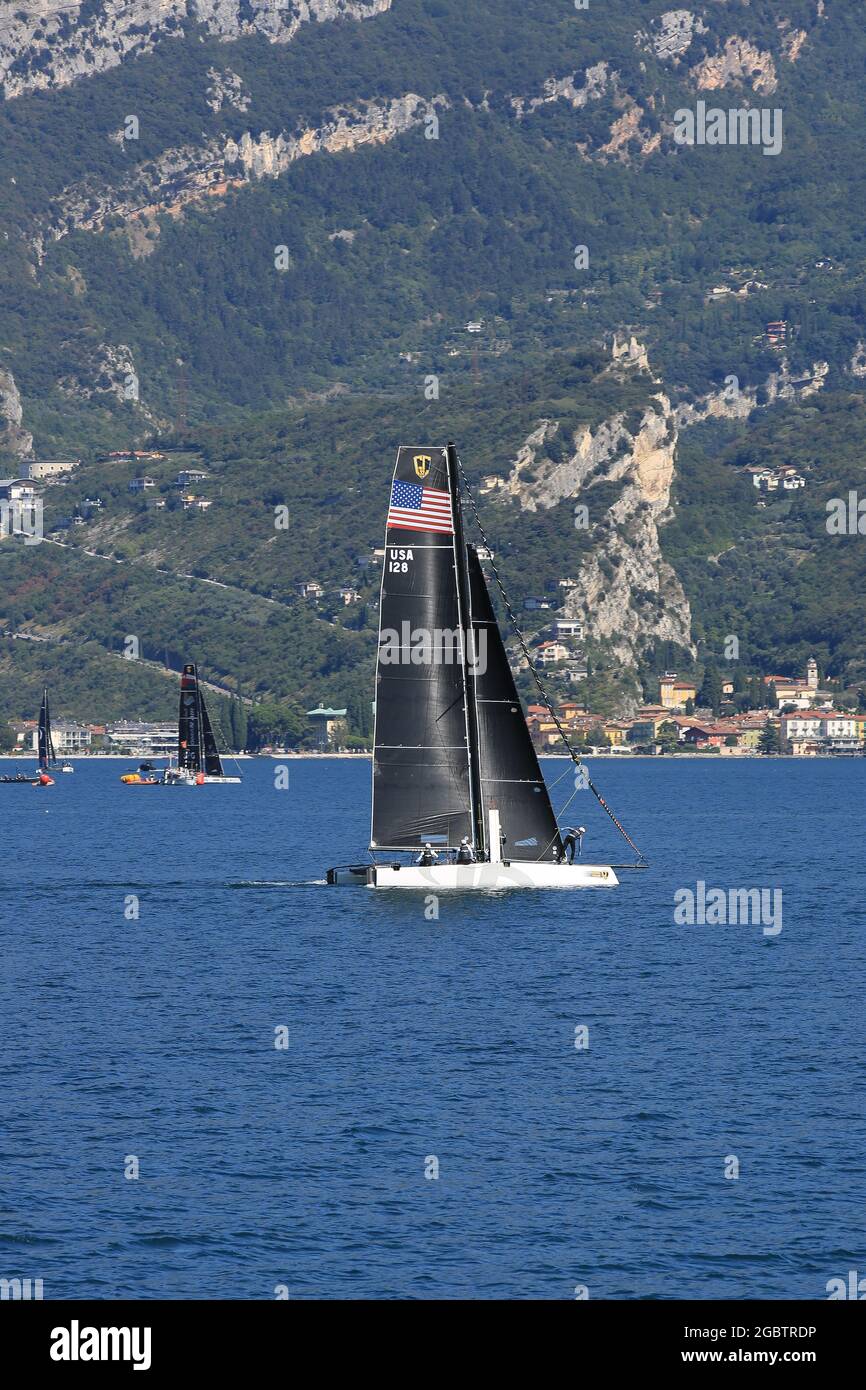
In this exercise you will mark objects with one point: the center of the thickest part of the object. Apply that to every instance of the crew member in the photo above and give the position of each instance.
(427, 856)
(465, 854)
(571, 840)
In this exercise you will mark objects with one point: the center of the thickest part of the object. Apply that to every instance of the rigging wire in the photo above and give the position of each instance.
(575, 756)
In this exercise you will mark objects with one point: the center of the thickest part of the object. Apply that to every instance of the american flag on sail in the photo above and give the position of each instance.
(417, 508)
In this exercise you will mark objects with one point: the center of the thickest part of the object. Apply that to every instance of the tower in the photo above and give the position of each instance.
(812, 673)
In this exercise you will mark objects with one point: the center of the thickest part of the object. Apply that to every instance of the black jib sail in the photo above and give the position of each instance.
(422, 774)
(196, 745)
(47, 756)
(511, 777)
(212, 762)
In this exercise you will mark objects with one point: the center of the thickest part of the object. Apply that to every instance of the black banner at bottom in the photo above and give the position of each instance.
(161, 1339)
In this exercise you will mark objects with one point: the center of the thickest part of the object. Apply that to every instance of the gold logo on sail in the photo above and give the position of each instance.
(422, 464)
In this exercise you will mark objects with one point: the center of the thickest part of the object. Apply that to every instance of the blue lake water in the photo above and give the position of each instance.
(412, 1039)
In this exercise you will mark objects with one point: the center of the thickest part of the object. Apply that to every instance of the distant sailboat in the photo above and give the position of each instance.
(47, 755)
(198, 758)
(45, 752)
(454, 768)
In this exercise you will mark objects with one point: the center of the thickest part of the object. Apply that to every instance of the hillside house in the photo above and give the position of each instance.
(674, 693)
(546, 653)
(45, 469)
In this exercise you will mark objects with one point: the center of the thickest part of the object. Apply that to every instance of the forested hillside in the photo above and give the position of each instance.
(255, 240)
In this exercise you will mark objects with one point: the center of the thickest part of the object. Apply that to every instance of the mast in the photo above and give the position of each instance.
(468, 647)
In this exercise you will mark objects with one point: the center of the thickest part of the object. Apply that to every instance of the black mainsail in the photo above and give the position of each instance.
(422, 781)
(450, 740)
(47, 755)
(196, 746)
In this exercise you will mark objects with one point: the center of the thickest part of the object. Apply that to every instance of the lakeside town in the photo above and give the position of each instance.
(740, 716)
(798, 719)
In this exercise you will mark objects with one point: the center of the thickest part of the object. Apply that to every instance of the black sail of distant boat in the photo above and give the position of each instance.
(422, 782)
(450, 741)
(47, 756)
(212, 761)
(197, 749)
(511, 777)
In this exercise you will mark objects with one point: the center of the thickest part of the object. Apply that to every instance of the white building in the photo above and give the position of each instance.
(51, 468)
(549, 652)
(17, 490)
(819, 724)
(67, 737)
(142, 740)
(142, 484)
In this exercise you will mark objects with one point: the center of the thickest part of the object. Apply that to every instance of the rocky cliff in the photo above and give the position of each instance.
(43, 46)
(627, 597)
(14, 439)
(193, 173)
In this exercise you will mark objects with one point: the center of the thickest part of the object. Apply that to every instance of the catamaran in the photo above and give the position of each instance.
(455, 773)
(198, 758)
(47, 756)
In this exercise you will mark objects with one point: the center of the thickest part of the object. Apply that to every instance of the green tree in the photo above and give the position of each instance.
(668, 738)
(711, 690)
(238, 724)
(769, 740)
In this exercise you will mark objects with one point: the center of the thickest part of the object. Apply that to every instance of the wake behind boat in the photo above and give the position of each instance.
(456, 780)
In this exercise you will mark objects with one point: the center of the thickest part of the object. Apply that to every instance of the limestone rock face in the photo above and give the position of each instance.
(192, 173)
(627, 596)
(740, 63)
(14, 439)
(42, 46)
(672, 34)
(595, 82)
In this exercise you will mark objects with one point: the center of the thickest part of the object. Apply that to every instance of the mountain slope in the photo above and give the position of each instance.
(260, 233)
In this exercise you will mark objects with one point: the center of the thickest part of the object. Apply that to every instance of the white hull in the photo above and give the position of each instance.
(440, 878)
(192, 780)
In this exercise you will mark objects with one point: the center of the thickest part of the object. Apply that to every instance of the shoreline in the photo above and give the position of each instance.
(367, 757)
